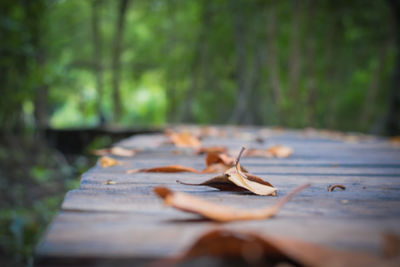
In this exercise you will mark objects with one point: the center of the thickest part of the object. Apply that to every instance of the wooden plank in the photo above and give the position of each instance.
(119, 235)
(334, 169)
(126, 222)
(140, 198)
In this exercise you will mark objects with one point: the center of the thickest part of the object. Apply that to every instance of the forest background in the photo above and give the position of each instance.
(71, 64)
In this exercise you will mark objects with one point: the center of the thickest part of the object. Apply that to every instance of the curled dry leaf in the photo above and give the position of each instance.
(116, 151)
(280, 151)
(219, 162)
(106, 162)
(256, 250)
(169, 168)
(237, 179)
(334, 186)
(184, 139)
(216, 163)
(218, 212)
(213, 158)
(255, 186)
(109, 182)
(222, 183)
(275, 151)
(258, 153)
(241, 179)
(212, 149)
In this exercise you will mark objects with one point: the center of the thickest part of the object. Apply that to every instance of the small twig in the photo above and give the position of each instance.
(332, 187)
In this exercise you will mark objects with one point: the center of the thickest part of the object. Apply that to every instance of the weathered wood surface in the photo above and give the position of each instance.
(127, 223)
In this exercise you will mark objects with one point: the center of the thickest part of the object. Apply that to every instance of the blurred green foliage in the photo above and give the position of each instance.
(33, 180)
(293, 63)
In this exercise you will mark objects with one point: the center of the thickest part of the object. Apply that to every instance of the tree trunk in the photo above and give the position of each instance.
(240, 108)
(34, 21)
(374, 86)
(200, 55)
(97, 57)
(41, 104)
(273, 58)
(392, 122)
(116, 64)
(333, 72)
(295, 47)
(245, 108)
(171, 83)
(256, 100)
(311, 71)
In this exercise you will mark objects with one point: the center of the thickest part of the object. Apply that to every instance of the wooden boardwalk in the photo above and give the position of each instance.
(127, 222)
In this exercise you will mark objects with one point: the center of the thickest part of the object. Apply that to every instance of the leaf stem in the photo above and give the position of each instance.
(238, 157)
(180, 182)
(237, 164)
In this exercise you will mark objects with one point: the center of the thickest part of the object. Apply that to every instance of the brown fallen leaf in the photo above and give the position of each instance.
(332, 187)
(274, 151)
(210, 131)
(222, 183)
(236, 179)
(244, 247)
(280, 151)
(106, 162)
(395, 141)
(218, 212)
(109, 182)
(184, 139)
(212, 149)
(253, 249)
(259, 153)
(116, 151)
(213, 158)
(169, 168)
(219, 162)
(216, 162)
(391, 246)
(353, 139)
(241, 179)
